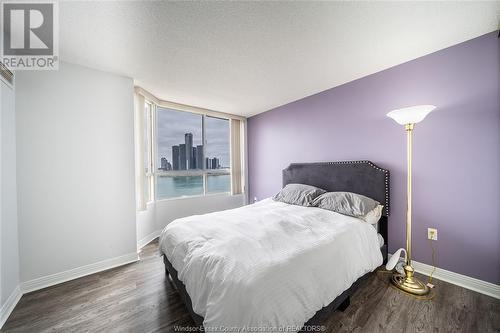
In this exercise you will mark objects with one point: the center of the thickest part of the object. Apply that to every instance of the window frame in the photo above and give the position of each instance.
(150, 108)
(203, 172)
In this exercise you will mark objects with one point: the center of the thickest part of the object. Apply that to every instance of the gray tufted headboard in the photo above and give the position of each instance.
(362, 177)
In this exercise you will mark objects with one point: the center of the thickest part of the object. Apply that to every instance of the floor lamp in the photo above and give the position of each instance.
(409, 117)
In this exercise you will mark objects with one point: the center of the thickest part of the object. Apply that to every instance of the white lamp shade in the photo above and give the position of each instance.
(411, 115)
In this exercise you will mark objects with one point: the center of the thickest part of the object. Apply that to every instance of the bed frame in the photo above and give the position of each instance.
(362, 177)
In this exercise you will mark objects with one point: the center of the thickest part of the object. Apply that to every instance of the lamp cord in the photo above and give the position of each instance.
(387, 283)
(431, 292)
(433, 260)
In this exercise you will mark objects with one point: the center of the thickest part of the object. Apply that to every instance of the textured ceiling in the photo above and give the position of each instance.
(248, 57)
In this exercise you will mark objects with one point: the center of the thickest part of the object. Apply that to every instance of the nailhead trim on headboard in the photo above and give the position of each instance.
(386, 173)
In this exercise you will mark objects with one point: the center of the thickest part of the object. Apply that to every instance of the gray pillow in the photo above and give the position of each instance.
(346, 203)
(298, 194)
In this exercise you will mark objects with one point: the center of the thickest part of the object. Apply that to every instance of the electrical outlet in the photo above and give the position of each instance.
(432, 234)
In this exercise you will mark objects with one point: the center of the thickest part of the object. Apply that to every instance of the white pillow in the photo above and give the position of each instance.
(373, 216)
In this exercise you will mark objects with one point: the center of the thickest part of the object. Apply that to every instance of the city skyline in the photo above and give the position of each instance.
(174, 125)
(181, 160)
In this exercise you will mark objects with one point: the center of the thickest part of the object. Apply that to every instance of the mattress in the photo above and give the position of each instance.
(270, 265)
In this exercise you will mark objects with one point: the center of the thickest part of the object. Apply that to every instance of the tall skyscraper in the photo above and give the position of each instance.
(193, 159)
(215, 163)
(200, 161)
(187, 157)
(175, 158)
(188, 139)
(182, 157)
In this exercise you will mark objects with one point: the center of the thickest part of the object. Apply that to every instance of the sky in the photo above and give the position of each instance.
(172, 125)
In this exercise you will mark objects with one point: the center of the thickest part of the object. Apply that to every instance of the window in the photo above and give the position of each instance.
(184, 151)
(217, 155)
(148, 151)
(193, 154)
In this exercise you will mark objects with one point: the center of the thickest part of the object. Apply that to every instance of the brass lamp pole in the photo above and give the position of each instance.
(409, 117)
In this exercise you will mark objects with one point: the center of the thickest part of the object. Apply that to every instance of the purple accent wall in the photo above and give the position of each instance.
(456, 148)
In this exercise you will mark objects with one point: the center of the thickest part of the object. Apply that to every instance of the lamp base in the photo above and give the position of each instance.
(409, 284)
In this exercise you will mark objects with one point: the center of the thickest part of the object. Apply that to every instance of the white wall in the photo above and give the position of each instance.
(75, 158)
(169, 210)
(9, 250)
(151, 221)
(146, 225)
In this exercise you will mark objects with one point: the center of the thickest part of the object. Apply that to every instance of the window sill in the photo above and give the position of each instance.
(221, 194)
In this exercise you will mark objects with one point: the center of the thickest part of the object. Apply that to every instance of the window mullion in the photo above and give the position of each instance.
(204, 150)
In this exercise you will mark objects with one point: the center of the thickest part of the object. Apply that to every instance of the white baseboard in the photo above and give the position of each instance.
(9, 305)
(465, 281)
(50, 280)
(147, 239)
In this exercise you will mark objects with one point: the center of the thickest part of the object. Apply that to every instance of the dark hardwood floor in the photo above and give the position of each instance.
(139, 298)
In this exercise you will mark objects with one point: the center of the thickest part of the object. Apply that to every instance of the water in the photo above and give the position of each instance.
(218, 183)
(178, 186)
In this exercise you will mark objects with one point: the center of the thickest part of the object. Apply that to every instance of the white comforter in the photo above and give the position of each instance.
(268, 265)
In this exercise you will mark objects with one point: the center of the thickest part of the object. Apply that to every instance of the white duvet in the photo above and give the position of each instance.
(268, 266)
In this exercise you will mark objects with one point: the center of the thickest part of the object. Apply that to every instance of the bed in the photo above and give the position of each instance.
(271, 266)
